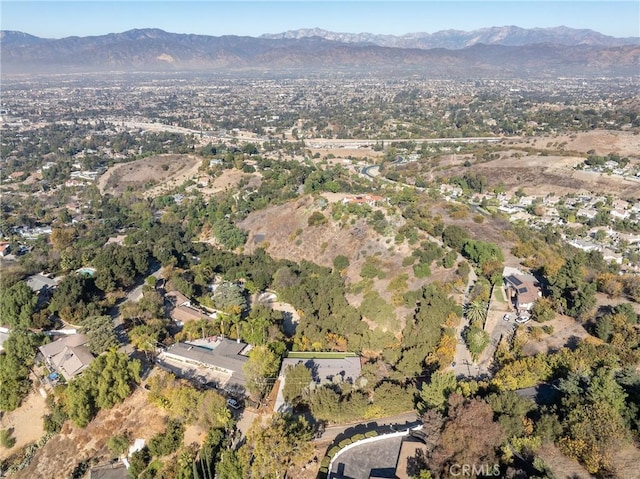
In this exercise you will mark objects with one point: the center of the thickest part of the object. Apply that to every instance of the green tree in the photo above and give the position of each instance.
(261, 370)
(455, 237)
(477, 340)
(434, 394)
(168, 441)
(482, 252)
(229, 297)
(325, 404)
(118, 445)
(107, 381)
(99, 330)
(572, 294)
(230, 466)
(14, 368)
(17, 305)
(340, 262)
(476, 311)
(543, 310)
(145, 337)
(316, 219)
(296, 383)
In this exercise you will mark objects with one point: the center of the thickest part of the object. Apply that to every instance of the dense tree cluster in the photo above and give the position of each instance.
(107, 381)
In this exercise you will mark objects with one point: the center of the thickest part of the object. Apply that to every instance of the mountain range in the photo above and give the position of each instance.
(497, 52)
(456, 39)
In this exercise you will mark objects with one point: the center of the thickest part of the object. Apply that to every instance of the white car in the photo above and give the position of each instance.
(232, 403)
(506, 317)
(522, 319)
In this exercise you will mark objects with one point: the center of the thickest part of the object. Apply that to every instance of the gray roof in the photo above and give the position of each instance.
(326, 369)
(223, 353)
(111, 471)
(56, 347)
(38, 282)
(68, 356)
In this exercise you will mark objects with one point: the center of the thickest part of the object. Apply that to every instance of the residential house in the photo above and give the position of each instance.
(584, 245)
(42, 285)
(115, 470)
(325, 367)
(523, 289)
(68, 356)
(345, 367)
(180, 309)
(370, 200)
(216, 353)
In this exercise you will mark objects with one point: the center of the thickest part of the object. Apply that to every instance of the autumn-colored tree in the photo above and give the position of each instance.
(610, 284)
(446, 350)
(469, 436)
(543, 310)
(271, 450)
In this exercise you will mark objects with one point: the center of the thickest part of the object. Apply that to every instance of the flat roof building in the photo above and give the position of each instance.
(219, 354)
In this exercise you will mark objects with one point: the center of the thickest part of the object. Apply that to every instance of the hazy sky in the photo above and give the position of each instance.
(56, 19)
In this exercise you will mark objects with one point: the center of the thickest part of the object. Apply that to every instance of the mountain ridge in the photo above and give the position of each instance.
(456, 39)
(158, 50)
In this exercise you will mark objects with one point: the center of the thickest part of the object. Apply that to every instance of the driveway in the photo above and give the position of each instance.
(496, 326)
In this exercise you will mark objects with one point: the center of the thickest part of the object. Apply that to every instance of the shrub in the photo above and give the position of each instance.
(118, 445)
(344, 443)
(316, 218)
(6, 438)
(340, 262)
(167, 442)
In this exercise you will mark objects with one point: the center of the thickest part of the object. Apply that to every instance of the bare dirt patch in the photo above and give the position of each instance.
(604, 142)
(72, 445)
(546, 171)
(541, 175)
(227, 180)
(26, 422)
(153, 175)
(567, 331)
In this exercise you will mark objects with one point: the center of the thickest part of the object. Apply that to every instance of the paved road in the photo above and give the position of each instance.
(135, 294)
(400, 421)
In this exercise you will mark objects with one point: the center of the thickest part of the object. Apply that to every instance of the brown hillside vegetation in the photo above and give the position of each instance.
(545, 170)
(284, 232)
(72, 445)
(151, 175)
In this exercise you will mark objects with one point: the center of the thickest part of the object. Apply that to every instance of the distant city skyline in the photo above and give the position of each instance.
(57, 19)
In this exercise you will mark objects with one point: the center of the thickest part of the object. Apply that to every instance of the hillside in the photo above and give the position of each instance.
(284, 232)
